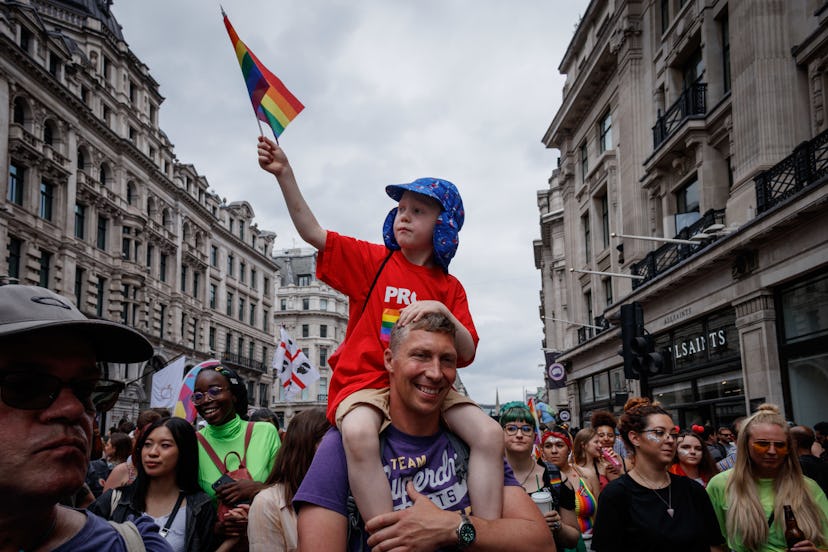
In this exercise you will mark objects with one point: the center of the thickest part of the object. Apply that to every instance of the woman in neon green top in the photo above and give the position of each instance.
(748, 498)
(220, 397)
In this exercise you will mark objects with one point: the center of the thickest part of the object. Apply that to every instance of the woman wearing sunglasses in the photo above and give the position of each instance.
(749, 498)
(166, 488)
(220, 397)
(649, 509)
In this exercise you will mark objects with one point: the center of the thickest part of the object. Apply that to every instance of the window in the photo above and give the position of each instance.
(323, 304)
(49, 133)
(196, 284)
(605, 225)
(213, 296)
(241, 231)
(150, 255)
(305, 304)
(80, 284)
(230, 262)
(101, 298)
(323, 357)
(267, 286)
(19, 112)
(588, 305)
(183, 278)
(47, 192)
(241, 309)
(253, 277)
(251, 350)
(305, 330)
(240, 348)
(228, 342)
(229, 309)
(25, 39)
(103, 222)
(585, 387)
(162, 268)
(665, 15)
(283, 304)
(126, 243)
(323, 330)
(211, 338)
(303, 280)
(263, 394)
(587, 238)
(214, 256)
(252, 314)
(16, 179)
(133, 134)
(242, 271)
(162, 321)
(130, 193)
(687, 205)
(693, 68)
(266, 321)
(605, 133)
(724, 25)
(232, 226)
(103, 174)
(584, 161)
(132, 92)
(15, 248)
(54, 64)
(264, 354)
(608, 290)
(80, 221)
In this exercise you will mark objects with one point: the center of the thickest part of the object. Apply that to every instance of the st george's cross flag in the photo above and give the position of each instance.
(292, 366)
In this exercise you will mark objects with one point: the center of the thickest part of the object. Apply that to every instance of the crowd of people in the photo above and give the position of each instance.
(399, 460)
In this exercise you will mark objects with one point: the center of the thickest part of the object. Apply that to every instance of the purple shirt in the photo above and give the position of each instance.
(427, 461)
(97, 535)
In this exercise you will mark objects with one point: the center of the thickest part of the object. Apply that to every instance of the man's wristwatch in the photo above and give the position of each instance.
(465, 532)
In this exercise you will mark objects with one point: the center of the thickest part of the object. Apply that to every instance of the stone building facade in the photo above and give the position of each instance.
(701, 121)
(97, 207)
(315, 315)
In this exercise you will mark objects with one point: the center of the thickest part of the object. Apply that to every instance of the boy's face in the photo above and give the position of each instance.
(414, 224)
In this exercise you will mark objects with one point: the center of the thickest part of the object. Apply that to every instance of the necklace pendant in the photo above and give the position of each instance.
(671, 511)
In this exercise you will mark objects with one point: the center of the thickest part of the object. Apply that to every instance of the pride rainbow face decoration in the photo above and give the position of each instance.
(272, 101)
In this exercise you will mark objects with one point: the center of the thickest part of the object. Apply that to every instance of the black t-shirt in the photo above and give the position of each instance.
(632, 517)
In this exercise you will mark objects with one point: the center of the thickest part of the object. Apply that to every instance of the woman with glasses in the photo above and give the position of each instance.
(649, 509)
(220, 397)
(610, 464)
(749, 498)
(693, 459)
(166, 488)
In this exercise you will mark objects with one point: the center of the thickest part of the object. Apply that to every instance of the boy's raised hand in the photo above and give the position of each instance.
(271, 157)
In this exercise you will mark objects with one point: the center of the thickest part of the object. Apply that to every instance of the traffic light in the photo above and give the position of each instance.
(637, 345)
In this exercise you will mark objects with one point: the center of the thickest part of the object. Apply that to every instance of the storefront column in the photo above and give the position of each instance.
(756, 323)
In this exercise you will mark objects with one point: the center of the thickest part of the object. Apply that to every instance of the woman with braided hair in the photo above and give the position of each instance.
(650, 509)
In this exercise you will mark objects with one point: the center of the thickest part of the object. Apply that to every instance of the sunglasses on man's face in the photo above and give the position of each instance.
(37, 391)
(764, 446)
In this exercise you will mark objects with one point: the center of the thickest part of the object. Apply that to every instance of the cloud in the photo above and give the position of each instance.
(461, 89)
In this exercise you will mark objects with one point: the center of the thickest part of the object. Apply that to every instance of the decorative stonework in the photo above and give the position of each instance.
(763, 301)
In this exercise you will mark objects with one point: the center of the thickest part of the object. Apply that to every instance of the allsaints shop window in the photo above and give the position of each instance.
(602, 391)
(704, 383)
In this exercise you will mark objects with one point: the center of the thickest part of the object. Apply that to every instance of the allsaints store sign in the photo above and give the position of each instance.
(700, 343)
(709, 339)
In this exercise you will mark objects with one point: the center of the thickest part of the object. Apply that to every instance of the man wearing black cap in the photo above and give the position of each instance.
(48, 372)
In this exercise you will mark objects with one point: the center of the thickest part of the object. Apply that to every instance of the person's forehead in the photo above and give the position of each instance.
(771, 432)
(208, 377)
(437, 341)
(419, 199)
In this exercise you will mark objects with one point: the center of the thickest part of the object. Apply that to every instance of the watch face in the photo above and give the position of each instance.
(466, 533)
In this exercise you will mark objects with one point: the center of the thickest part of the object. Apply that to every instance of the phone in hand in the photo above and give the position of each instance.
(223, 480)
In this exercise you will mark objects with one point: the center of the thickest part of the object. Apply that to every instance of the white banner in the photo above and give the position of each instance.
(166, 383)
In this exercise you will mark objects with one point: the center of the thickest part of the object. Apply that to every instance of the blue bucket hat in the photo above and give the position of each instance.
(448, 224)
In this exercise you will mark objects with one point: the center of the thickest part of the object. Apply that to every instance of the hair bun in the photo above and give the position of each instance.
(768, 408)
(636, 402)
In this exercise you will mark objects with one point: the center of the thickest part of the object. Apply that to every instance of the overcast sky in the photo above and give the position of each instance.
(393, 90)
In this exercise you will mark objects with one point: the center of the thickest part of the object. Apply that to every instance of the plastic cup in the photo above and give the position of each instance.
(543, 500)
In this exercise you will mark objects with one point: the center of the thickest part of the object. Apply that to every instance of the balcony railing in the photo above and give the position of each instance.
(668, 255)
(806, 165)
(243, 361)
(692, 102)
(586, 333)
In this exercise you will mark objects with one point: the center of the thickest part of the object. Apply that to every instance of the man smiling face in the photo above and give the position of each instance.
(423, 367)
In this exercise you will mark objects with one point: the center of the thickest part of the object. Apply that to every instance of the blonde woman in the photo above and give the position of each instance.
(586, 449)
(749, 499)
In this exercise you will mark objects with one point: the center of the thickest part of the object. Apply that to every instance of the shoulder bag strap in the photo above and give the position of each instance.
(374, 283)
(166, 529)
(248, 433)
(211, 453)
(131, 535)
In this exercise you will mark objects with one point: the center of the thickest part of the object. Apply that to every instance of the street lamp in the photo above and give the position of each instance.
(602, 273)
(656, 239)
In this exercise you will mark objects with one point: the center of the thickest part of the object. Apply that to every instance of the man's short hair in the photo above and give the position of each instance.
(431, 322)
(821, 427)
(803, 437)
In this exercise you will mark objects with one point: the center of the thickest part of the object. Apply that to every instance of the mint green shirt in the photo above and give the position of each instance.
(264, 443)
(716, 488)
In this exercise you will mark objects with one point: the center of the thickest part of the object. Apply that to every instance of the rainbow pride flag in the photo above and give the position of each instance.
(272, 101)
(389, 318)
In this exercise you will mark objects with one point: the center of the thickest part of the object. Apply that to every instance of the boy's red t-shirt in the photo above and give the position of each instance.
(350, 265)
